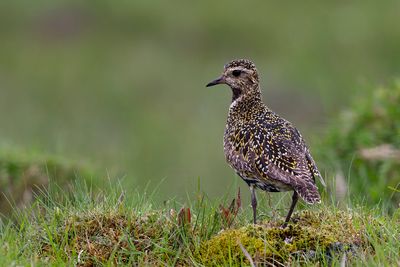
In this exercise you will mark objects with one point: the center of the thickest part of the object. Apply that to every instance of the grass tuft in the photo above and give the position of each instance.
(86, 229)
(24, 175)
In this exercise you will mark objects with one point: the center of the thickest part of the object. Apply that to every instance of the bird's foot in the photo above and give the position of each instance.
(284, 225)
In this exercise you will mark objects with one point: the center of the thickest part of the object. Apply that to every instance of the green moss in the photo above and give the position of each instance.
(312, 231)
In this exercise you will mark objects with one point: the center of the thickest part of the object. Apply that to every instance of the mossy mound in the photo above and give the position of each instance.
(311, 232)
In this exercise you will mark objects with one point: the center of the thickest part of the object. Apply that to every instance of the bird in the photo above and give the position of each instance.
(264, 149)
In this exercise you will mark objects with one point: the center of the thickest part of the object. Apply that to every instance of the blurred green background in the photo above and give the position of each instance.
(121, 84)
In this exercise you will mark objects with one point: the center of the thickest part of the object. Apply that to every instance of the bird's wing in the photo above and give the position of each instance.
(283, 156)
(313, 167)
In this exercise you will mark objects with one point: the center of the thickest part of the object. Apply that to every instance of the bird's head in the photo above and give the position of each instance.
(241, 75)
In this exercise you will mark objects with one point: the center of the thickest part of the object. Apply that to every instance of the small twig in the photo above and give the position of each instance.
(274, 263)
(246, 254)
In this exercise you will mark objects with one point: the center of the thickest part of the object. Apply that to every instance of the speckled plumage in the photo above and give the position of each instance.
(264, 149)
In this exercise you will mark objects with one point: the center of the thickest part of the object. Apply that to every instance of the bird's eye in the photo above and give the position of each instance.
(236, 73)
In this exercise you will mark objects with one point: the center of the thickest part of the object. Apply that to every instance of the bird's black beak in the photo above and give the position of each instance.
(216, 81)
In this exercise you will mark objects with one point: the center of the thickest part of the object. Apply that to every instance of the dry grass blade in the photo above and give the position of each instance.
(230, 213)
(343, 261)
(184, 216)
(246, 253)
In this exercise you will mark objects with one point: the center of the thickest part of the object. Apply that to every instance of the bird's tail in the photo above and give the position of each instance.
(308, 191)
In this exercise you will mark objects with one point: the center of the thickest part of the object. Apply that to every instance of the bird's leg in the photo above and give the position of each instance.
(295, 197)
(254, 203)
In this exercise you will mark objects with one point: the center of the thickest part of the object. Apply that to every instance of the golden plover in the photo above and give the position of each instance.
(265, 150)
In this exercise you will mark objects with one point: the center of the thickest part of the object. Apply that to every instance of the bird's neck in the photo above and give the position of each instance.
(243, 100)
